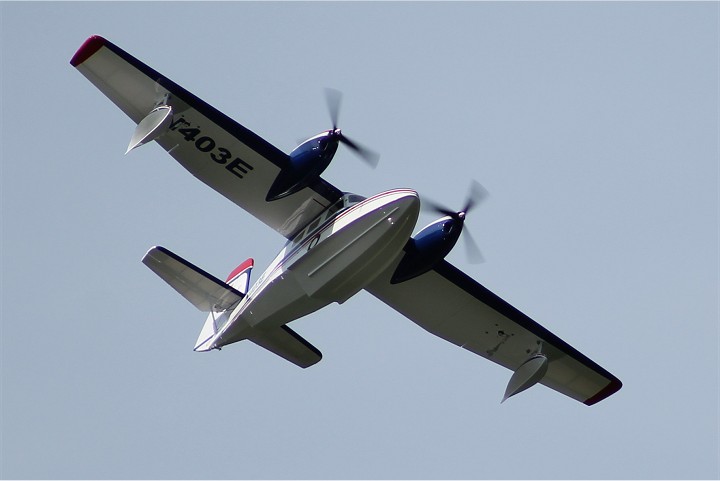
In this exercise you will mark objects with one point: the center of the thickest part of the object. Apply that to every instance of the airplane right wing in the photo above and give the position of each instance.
(450, 304)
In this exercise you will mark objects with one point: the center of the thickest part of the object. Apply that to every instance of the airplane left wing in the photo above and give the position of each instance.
(448, 303)
(214, 148)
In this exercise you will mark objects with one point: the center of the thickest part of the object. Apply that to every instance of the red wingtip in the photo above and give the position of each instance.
(610, 389)
(91, 45)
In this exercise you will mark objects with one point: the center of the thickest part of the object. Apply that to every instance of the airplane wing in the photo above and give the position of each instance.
(453, 306)
(214, 148)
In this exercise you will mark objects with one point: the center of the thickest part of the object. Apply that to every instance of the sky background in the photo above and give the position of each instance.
(594, 126)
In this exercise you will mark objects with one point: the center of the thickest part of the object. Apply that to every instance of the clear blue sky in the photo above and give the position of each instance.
(593, 125)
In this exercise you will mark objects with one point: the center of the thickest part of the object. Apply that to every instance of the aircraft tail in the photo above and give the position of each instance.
(239, 278)
(203, 290)
(218, 298)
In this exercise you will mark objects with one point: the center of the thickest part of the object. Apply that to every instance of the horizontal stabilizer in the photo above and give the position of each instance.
(287, 344)
(203, 290)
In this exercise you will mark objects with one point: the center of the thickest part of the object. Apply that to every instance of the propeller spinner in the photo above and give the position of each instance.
(435, 241)
(310, 159)
(476, 194)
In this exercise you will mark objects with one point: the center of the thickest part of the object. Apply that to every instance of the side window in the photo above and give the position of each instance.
(314, 241)
(311, 227)
(300, 236)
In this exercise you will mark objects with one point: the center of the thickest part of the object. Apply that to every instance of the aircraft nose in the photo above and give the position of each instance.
(408, 202)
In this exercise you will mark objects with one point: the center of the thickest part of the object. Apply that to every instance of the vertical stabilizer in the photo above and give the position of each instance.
(239, 278)
(203, 290)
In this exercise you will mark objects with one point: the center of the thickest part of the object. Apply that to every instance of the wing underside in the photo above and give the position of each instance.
(451, 305)
(217, 150)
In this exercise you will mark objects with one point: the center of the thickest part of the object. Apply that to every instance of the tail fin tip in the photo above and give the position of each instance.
(239, 278)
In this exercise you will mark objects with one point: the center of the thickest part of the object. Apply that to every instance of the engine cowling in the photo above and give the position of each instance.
(307, 163)
(434, 242)
(429, 247)
(310, 159)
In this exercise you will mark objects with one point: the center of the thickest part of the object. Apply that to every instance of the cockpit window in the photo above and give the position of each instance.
(341, 204)
(337, 206)
(312, 225)
(354, 198)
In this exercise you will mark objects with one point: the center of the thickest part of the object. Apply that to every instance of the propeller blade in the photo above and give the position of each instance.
(369, 156)
(428, 205)
(476, 194)
(334, 99)
(474, 254)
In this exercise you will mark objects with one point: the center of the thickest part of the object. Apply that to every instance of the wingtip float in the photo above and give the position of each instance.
(338, 243)
(526, 376)
(151, 127)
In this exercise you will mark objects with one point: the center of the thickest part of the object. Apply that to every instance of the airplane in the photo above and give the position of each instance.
(337, 243)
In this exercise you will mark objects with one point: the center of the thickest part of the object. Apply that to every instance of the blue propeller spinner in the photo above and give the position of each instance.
(435, 241)
(310, 159)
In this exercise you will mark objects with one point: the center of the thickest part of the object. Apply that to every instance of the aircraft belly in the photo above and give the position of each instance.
(281, 301)
(344, 259)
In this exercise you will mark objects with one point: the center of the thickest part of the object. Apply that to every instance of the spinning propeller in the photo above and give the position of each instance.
(310, 159)
(334, 99)
(476, 194)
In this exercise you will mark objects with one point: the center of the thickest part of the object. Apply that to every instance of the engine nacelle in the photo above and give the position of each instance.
(307, 162)
(428, 247)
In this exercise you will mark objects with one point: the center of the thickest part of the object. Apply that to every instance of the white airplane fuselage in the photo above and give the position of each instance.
(335, 256)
